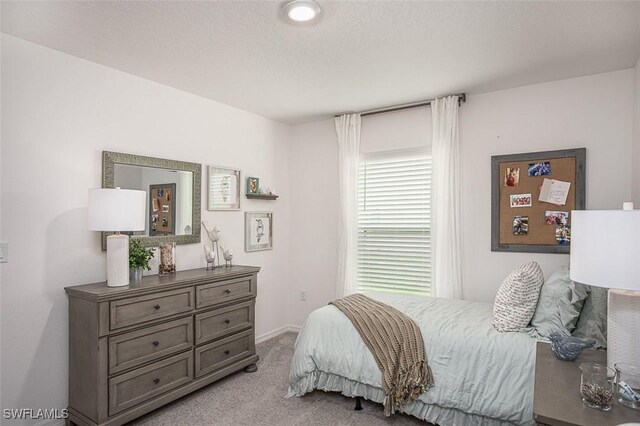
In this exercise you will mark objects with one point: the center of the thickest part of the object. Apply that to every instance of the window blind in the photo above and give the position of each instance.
(394, 250)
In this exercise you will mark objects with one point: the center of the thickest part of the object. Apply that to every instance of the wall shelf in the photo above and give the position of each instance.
(261, 197)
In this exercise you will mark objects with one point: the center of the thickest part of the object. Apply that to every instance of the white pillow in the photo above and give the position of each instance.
(517, 298)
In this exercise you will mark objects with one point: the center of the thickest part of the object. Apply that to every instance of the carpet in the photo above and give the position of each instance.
(259, 399)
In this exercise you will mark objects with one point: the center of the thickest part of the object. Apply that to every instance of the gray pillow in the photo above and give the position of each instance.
(593, 319)
(517, 298)
(560, 304)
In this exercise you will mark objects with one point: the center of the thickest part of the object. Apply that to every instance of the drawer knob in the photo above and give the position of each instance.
(227, 321)
(156, 307)
(156, 380)
(227, 291)
(226, 352)
(155, 343)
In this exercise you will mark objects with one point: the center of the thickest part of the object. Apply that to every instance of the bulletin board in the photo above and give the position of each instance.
(521, 219)
(162, 209)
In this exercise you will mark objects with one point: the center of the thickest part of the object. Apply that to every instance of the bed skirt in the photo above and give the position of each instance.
(319, 380)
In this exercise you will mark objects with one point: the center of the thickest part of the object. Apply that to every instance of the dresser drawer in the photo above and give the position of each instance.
(139, 385)
(224, 291)
(137, 310)
(138, 347)
(216, 355)
(222, 322)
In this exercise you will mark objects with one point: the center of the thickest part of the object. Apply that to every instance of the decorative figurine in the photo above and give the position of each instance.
(213, 232)
(210, 257)
(211, 253)
(568, 348)
(227, 254)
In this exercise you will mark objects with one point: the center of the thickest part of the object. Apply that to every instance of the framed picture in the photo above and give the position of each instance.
(258, 231)
(253, 187)
(162, 209)
(532, 196)
(223, 188)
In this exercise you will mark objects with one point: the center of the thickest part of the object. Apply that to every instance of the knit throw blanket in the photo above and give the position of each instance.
(396, 343)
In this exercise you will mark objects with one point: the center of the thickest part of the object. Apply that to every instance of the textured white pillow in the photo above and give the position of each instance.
(517, 298)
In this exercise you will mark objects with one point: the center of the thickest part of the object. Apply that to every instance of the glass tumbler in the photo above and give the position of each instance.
(596, 385)
(628, 384)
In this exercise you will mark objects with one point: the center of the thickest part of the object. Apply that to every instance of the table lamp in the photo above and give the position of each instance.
(116, 210)
(605, 252)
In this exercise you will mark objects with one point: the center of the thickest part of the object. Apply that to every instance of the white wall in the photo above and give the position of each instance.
(1, 231)
(635, 165)
(59, 113)
(594, 112)
(314, 202)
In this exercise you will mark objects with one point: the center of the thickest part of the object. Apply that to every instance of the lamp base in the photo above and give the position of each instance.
(623, 327)
(117, 260)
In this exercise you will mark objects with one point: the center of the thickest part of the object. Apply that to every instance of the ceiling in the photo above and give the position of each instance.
(359, 55)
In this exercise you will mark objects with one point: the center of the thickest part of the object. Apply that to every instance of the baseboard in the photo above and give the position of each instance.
(278, 331)
(54, 422)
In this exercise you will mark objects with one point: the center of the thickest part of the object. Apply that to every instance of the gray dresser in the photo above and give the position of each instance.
(136, 348)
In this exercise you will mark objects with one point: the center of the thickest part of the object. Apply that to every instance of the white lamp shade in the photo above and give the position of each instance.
(116, 210)
(605, 248)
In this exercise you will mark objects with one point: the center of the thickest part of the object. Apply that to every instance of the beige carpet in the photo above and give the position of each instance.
(259, 399)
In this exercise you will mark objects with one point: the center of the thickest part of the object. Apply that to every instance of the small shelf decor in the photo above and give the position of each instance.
(255, 192)
(262, 196)
(253, 186)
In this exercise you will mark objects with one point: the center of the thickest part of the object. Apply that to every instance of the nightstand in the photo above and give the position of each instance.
(557, 399)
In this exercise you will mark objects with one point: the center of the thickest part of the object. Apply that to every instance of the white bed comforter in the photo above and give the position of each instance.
(481, 376)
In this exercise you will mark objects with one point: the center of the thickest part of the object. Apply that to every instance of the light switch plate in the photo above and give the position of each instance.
(4, 251)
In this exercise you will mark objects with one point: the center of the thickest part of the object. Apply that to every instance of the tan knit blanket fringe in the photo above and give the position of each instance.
(396, 343)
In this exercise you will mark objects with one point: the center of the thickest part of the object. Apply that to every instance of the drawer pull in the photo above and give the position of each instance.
(155, 343)
(156, 380)
(226, 352)
(156, 307)
(227, 321)
(227, 291)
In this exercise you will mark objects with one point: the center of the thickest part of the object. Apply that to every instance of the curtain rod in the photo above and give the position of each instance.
(462, 97)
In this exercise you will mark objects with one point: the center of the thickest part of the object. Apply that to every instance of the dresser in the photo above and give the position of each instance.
(136, 348)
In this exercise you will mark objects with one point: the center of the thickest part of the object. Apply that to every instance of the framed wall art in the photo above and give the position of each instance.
(532, 196)
(258, 233)
(253, 186)
(162, 209)
(223, 188)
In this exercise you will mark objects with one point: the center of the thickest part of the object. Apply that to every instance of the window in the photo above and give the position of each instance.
(394, 241)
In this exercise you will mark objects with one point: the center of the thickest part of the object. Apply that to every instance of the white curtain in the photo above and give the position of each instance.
(348, 129)
(446, 239)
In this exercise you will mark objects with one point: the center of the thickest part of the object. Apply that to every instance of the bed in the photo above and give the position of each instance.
(482, 377)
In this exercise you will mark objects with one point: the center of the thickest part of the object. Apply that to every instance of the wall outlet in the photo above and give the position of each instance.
(303, 295)
(4, 252)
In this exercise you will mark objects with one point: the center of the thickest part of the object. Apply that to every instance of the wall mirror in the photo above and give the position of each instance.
(173, 195)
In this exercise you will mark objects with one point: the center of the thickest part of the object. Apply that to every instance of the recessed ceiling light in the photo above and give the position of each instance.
(301, 10)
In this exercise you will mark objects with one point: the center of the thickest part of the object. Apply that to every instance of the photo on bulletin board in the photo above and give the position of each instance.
(162, 209)
(532, 195)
